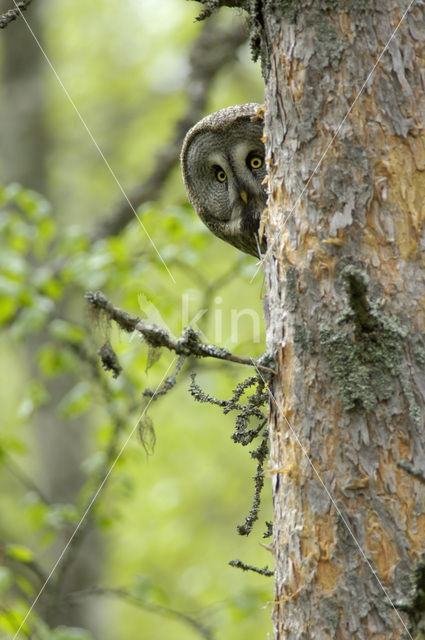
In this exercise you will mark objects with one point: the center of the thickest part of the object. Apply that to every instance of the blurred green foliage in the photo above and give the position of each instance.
(165, 524)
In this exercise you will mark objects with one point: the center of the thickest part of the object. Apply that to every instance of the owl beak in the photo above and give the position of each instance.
(244, 196)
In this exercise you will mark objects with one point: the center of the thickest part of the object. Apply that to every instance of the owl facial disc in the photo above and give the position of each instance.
(223, 170)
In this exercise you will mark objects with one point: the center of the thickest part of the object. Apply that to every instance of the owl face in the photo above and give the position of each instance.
(223, 169)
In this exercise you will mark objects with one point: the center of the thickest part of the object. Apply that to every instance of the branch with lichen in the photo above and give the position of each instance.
(243, 434)
(8, 17)
(265, 571)
(187, 345)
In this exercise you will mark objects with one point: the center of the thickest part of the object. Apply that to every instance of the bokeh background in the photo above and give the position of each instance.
(151, 558)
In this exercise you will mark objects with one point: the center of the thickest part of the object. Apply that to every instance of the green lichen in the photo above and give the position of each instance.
(290, 9)
(330, 4)
(365, 366)
(413, 407)
(419, 353)
(303, 343)
(291, 294)
(415, 605)
(285, 9)
(364, 347)
(359, 6)
(328, 41)
(330, 612)
(345, 5)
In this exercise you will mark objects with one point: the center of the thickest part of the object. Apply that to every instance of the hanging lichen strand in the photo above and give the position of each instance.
(245, 434)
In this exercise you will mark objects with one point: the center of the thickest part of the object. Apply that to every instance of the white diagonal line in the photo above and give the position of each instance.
(337, 509)
(102, 155)
(92, 501)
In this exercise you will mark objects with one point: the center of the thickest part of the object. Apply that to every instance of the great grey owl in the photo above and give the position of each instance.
(223, 169)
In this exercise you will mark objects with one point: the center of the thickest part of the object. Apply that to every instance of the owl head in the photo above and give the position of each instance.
(223, 169)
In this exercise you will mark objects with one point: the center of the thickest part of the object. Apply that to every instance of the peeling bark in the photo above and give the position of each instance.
(345, 309)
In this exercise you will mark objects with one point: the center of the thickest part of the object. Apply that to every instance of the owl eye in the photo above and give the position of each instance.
(220, 174)
(255, 162)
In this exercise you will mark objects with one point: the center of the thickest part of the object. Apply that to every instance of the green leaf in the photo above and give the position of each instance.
(46, 283)
(9, 287)
(8, 308)
(13, 618)
(19, 552)
(25, 585)
(53, 360)
(11, 263)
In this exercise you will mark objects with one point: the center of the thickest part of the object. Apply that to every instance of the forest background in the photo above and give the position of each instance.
(152, 554)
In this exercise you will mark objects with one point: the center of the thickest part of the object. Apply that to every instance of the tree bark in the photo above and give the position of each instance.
(345, 313)
(22, 105)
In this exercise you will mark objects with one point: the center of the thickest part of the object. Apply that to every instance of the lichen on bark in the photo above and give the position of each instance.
(346, 312)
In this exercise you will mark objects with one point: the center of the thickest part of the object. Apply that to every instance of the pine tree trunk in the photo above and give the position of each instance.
(345, 281)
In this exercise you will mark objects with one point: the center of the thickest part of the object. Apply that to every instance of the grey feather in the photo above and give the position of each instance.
(223, 167)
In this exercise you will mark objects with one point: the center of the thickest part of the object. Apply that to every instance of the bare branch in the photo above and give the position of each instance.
(12, 14)
(132, 598)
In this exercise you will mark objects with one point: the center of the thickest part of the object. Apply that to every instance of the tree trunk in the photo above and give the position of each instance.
(345, 313)
(23, 138)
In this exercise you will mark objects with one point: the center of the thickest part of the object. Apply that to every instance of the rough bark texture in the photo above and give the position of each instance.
(345, 311)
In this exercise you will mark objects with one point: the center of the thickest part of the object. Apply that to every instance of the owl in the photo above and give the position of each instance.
(223, 167)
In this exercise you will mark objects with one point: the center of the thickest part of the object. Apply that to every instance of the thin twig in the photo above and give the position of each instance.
(24, 478)
(125, 594)
(265, 571)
